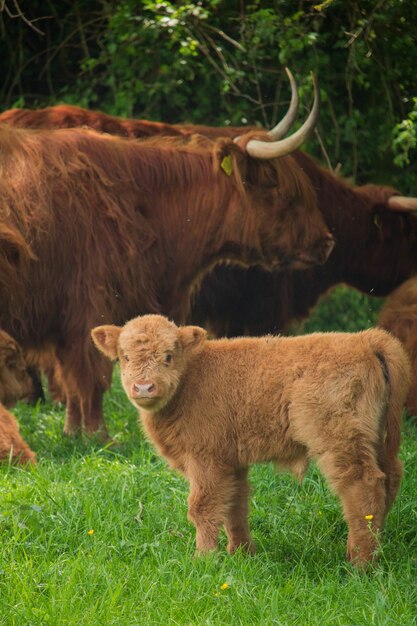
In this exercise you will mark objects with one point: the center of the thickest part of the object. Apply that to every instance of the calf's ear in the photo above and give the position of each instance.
(106, 339)
(191, 336)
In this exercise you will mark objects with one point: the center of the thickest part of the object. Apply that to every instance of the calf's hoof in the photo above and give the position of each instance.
(246, 546)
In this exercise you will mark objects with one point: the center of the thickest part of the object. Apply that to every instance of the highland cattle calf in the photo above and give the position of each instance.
(15, 384)
(96, 228)
(213, 408)
(399, 316)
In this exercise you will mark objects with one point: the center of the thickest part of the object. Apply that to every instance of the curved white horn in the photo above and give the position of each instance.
(269, 150)
(402, 203)
(289, 118)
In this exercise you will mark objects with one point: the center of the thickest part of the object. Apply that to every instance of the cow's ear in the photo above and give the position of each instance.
(191, 336)
(106, 339)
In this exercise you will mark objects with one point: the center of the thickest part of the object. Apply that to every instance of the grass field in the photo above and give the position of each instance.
(99, 536)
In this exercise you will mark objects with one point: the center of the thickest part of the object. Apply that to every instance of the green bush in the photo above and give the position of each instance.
(343, 309)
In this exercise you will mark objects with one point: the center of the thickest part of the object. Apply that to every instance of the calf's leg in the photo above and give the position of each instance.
(211, 494)
(360, 484)
(236, 523)
(393, 470)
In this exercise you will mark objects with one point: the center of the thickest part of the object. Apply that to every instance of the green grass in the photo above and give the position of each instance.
(137, 567)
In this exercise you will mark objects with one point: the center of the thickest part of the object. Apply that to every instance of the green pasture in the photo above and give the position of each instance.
(99, 536)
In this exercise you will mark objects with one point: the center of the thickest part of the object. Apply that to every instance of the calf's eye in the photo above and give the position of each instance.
(168, 358)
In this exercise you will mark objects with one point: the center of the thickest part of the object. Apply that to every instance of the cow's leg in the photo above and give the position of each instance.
(92, 411)
(52, 371)
(236, 523)
(73, 418)
(37, 389)
(211, 492)
(360, 483)
(85, 376)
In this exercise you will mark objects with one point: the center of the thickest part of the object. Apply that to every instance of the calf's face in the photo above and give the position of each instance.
(153, 354)
(15, 382)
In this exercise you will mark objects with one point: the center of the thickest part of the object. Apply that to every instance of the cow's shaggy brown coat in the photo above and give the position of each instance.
(399, 316)
(96, 228)
(375, 252)
(15, 384)
(213, 408)
(376, 246)
(71, 116)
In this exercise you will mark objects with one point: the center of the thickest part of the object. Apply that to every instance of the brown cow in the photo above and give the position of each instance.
(213, 408)
(99, 228)
(399, 316)
(376, 250)
(15, 383)
(71, 116)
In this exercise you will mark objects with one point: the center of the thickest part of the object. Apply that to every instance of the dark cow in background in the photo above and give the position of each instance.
(96, 229)
(376, 250)
(71, 116)
(399, 316)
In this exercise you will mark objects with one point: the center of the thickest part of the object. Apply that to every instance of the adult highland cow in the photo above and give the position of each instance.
(96, 229)
(376, 250)
(374, 228)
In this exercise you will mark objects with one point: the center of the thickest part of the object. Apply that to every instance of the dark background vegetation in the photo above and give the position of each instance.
(221, 62)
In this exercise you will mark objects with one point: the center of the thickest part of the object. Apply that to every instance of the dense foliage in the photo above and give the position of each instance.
(221, 62)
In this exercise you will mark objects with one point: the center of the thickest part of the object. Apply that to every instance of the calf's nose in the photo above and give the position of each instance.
(144, 390)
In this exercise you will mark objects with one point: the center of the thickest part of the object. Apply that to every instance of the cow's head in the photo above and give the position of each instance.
(15, 382)
(153, 353)
(292, 229)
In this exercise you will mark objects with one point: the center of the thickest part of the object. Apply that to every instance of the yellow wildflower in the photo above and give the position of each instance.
(224, 586)
(90, 532)
(369, 517)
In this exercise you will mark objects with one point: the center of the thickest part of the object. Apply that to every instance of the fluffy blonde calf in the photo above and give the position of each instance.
(15, 384)
(213, 408)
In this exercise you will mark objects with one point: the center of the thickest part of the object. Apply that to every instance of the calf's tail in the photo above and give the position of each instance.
(396, 369)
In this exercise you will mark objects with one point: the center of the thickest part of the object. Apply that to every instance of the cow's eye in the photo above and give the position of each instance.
(11, 363)
(168, 358)
(126, 358)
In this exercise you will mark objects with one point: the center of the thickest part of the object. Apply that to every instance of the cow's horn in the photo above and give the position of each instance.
(289, 118)
(402, 203)
(269, 150)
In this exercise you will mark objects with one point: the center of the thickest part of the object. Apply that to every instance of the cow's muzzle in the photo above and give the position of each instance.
(317, 255)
